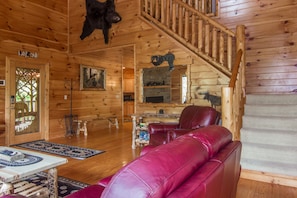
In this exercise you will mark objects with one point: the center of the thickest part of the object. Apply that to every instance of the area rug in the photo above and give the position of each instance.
(61, 149)
(65, 186)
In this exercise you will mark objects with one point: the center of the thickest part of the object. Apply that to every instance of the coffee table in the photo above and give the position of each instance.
(9, 174)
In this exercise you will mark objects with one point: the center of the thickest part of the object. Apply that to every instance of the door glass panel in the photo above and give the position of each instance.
(27, 100)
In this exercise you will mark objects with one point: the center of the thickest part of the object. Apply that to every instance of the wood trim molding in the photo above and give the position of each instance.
(269, 178)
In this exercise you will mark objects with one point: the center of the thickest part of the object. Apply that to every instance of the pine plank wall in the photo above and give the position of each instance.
(51, 29)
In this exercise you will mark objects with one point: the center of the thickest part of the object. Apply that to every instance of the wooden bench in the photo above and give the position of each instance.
(80, 127)
(113, 121)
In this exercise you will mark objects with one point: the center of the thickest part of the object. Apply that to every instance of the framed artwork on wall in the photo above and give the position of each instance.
(92, 78)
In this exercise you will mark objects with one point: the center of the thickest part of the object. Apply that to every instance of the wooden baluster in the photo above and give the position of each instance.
(187, 21)
(203, 8)
(214, 43)
(194, 30)
(196, 4)
(157, 10)
(174, 7)
(207, 39)
(222, 47)
(200, 34)
(229, 52)
(168, 13)
(146, 6)
(151, 8)
(163, 11)
(209, 6)
(200, 6)
(180, 21)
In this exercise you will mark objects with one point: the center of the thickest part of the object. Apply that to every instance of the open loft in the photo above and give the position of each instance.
(71, 69)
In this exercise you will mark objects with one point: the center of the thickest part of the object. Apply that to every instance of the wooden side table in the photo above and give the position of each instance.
(141, 118)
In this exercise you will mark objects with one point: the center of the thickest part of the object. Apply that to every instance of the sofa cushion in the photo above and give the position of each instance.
(205, 182)
(158, 172)
(212, 137)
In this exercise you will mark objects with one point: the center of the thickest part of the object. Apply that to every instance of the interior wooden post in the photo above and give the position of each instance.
(227, 105)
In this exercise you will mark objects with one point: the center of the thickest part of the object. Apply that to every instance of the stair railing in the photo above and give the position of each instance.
(200, 34)
(233, 96)
(208, 7)
(209, 40)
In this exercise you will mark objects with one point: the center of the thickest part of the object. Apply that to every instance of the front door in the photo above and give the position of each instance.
(27, 101)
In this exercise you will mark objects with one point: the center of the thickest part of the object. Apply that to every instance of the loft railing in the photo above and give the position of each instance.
(193, 29)
(207, 7)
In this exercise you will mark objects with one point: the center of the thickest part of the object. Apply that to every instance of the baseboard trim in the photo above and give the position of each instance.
(269, 178)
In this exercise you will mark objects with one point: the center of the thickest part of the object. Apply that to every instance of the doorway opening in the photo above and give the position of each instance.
(27, 101)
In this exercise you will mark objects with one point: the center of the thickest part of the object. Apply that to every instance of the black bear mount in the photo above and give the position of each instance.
(158, 60)
(100, 15)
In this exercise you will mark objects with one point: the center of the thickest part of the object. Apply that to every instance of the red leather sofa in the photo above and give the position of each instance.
(204, 163)
(192, 117)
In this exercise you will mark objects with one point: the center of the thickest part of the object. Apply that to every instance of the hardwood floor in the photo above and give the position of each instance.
(253, 189)
(117, 144)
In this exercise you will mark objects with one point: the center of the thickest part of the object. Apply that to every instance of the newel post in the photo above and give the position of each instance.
(227, 113)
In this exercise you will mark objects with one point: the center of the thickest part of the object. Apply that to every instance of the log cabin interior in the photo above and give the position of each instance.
(229, 49)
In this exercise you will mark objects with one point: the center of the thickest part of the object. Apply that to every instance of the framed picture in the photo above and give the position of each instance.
(92, 78)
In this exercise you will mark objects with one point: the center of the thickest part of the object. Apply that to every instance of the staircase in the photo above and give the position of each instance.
(269, 134)
(189, 24)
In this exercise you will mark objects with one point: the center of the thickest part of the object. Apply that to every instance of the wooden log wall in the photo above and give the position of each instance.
(92, 105)
(41, 23)
(43, 27)
(30, 34)
(271, 64)
(148, 42)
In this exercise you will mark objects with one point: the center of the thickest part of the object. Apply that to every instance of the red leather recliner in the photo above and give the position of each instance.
(191, 118)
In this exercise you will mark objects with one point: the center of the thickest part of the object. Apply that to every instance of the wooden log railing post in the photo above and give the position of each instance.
(227, 113)
(174, 17)
(221, 48)
(194, 30)
(240, 45)
(229, 52)
(233, 97)
(200, 34)
(214, 43)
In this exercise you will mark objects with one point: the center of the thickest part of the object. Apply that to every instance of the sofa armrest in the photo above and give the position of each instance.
(93, 191)
(13, 196)
(105, 181)
(154, 128)
(173, 134)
